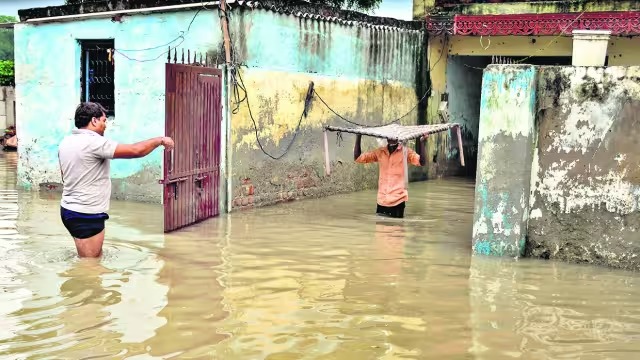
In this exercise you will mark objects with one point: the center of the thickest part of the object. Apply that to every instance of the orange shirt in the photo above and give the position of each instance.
(391, 191)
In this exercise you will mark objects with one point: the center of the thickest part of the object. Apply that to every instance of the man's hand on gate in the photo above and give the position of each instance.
(167, 142)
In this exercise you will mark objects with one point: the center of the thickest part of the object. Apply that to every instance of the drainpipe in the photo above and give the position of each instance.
(229, 90)
(228, 146)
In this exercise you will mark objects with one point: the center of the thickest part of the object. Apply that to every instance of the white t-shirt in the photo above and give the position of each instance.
(84, 159)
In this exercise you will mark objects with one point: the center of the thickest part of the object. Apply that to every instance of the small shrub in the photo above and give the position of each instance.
(7, 75)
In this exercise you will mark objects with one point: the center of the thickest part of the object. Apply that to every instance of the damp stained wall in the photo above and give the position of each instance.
(558, 164)
(585, 204)
(47, 58)
(496, 7)
(367, 75)
(506, 138)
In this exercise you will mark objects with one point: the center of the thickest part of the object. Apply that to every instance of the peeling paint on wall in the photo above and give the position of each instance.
(504, 118)
(583, 182)
(586, 201)
(506, 139)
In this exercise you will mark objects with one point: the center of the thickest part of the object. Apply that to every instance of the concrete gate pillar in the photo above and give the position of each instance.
(506, 142)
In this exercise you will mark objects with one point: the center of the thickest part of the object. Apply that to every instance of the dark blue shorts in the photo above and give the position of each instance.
(82, 226)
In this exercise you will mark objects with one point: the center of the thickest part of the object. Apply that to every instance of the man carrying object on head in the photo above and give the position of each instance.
(392, 194)
(84, 165)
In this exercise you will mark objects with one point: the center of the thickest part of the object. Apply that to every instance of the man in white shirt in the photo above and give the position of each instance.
(84, 164)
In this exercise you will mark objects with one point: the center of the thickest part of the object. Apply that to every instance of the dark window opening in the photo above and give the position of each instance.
(97, 74)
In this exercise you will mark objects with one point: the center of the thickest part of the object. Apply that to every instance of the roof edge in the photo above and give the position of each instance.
(298, 8)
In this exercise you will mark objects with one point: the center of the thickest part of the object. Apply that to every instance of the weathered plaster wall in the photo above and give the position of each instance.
(586, 197)
(491, 7)
(566, 173)
(48, 90)
(368, 75)
(506, 141)
(421, 8)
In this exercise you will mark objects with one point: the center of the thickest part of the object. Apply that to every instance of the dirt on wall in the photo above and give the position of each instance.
(586, 198)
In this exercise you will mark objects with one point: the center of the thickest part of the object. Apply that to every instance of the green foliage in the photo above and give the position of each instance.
(7, 75)
(7, 19)
(6, 44)
(361, 5)
(6, 38)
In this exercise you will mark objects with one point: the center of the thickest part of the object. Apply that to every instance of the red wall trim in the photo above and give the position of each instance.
(618, 22)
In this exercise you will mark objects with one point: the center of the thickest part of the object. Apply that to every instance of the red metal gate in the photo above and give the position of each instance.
(193, 119)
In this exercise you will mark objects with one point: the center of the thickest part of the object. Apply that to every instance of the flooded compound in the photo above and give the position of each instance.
(315, 279)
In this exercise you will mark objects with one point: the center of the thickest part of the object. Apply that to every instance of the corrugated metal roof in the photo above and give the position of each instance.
(298, 8)
(343, 17)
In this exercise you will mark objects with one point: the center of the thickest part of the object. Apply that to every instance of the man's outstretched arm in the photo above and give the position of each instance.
(142, 148)
(356, 149)
(359, 157)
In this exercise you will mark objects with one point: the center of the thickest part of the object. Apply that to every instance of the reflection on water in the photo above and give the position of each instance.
(317, 279)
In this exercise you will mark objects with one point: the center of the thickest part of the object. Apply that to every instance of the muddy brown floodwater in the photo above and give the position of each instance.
(315, 279)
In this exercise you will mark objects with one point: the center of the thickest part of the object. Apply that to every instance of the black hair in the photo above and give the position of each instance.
(87, 111)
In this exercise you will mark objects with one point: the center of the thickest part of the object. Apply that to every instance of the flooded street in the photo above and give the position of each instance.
(315, 279)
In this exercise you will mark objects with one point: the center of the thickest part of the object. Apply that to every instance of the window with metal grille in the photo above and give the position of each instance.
(97, 73)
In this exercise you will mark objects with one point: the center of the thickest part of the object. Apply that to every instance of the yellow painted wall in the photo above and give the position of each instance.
(622, 51)
(277, 107)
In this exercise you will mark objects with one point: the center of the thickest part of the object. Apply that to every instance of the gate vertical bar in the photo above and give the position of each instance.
(168, 130)
(206, 208)
(216, 101)
(180, 154)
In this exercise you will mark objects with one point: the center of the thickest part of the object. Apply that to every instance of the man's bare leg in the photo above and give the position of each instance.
(90, 247)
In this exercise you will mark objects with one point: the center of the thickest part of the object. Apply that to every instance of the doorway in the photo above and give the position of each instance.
(464, 90)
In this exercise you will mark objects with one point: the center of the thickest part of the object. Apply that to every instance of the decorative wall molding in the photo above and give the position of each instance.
(439, 25)
(618, 22)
